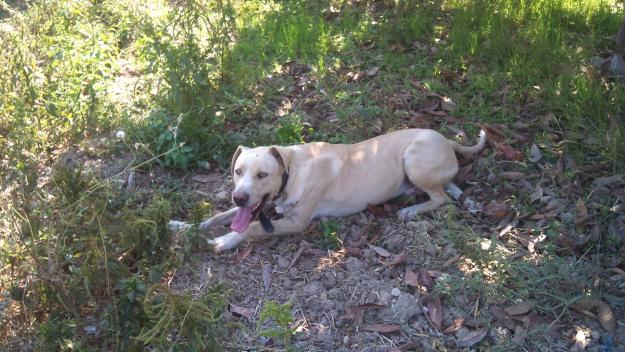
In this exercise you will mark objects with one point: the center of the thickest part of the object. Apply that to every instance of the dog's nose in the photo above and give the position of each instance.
(240, 198)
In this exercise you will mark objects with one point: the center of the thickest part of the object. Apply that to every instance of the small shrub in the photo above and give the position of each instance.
(280, 315)
(329, 235)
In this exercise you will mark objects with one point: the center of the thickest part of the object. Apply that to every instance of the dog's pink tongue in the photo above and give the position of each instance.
(242, 219)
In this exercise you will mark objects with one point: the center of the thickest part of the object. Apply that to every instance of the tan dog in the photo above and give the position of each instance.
(320, 179)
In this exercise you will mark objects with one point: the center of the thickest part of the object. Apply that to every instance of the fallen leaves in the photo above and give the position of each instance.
(411, 278)
(604, 314)
(518, 309)
(382, 328)
(454, 327)
(356, 313)
(435, 311)
(472, 337)
(244, 253)
(503, 317)
(245, 312)
(508, 152)
(497, 210)
(380, 251)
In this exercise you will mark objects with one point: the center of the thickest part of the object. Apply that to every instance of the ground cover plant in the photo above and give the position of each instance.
(116, 116)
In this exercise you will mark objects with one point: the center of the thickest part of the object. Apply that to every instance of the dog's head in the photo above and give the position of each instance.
(258, 176)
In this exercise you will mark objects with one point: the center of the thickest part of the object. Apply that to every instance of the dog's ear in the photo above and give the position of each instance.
(283, 155)
(235, 156)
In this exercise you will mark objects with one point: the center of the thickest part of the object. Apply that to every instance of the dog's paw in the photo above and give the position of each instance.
(176, 226)
(408, 213)
(226, 242)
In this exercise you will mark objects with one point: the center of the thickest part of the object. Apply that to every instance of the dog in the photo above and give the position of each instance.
(318, 179)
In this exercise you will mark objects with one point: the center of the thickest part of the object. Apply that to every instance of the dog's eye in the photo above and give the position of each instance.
(237, 171)
(261, 175)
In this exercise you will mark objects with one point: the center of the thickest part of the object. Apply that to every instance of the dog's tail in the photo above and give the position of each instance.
(472, 149)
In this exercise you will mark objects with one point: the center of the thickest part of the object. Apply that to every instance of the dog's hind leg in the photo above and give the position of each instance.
(429, 165)
(437, 198)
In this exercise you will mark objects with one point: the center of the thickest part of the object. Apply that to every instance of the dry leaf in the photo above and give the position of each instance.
(472, 338)
(426, 279)
(518, 309)
(267, 276)
(497, 210)
(244, 253)
(411, 278)
(451, 260)
(356, 313)
(382, 328)
(380, 251)
(455, 326)
(398, 259)
(604, 315)
(353, 251)
(242, 311)
(435, 311)
(519, 334)
(502, 317)
(537, 194)
(509, 152)
(372, 71)
(535, 154)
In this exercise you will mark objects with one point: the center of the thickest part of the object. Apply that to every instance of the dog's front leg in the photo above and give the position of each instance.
(283, 226)
(220, 219)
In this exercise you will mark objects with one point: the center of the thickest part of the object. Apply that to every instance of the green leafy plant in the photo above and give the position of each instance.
(280, 316)
(329, 235)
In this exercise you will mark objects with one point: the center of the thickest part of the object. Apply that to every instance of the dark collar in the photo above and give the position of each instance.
(285, 180)
(265, 222)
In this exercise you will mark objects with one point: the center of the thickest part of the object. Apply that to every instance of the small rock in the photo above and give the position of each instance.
(419, 226)
(313, 287)
(353, 264)
(329, 280)
(406, 307)
(396, 292)
(283, 263)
